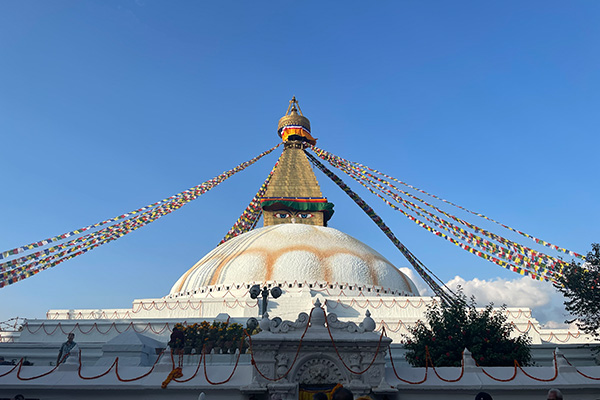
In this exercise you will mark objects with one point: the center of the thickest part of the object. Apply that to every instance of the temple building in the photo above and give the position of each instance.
(310, 263)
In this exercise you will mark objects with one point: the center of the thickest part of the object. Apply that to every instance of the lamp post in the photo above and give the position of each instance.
(255, 291)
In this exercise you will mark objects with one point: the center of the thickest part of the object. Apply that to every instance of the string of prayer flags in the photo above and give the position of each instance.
(505, 253)
(540, 258)
(495, 250)
(17, 269)
(247, 221)
(535, 239)
(417, 264)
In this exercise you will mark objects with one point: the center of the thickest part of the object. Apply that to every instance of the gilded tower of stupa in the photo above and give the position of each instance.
(294, 195)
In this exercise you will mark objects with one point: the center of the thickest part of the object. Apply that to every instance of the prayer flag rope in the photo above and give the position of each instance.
(16, 270)
(535, 239)
(63, 236)
(500, 254)
(440, 234)
(92, 241)
(506, 254)
(540, 273)
(537, 257)
(530, 262)
(247, 221)
(417, 265)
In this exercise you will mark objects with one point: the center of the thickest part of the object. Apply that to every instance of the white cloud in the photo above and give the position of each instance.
(556, 324)
(423, 289)
(546, 303)
(541, 297)
(523, 292)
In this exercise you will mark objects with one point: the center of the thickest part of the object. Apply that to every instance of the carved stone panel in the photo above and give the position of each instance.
(318, 371)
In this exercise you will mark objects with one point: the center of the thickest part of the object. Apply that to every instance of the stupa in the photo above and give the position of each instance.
(295, 254)
(295, 251)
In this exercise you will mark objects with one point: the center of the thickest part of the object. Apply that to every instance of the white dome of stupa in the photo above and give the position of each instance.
(298, 253)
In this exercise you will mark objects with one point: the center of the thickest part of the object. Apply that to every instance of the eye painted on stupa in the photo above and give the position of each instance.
(282, 215)
(304, 215)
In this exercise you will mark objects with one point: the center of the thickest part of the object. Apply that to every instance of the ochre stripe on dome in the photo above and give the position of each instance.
(312, 253)
(372, 271)
(270, 257)
(234, 244)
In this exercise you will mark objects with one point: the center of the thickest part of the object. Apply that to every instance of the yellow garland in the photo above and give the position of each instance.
(176, 373)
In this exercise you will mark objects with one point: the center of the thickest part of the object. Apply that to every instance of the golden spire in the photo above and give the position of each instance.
(293, 194)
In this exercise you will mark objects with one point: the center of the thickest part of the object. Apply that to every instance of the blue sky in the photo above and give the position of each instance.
(106, 106)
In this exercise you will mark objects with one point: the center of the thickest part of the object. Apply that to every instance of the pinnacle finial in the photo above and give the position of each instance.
(294, 107)
(296, 124)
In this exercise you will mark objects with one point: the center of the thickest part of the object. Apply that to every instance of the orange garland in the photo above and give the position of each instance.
(176, 373)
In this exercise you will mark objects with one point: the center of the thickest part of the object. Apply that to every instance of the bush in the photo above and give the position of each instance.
(580, 284)
(452, 328)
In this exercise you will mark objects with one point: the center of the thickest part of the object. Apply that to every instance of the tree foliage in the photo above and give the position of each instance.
(580, 284)
(452, 328)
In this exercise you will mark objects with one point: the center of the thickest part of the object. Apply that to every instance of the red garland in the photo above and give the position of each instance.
(232, 372)
(12, 369)
(33, 377)
(195, 372)
(578, 371)
(340, 357)
(97, 376)
(404, 380)
(253, 362)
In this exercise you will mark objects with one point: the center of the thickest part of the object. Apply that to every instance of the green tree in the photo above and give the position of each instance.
(452, 328)
(579, 284)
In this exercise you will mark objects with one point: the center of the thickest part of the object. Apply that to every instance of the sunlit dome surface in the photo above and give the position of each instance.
(294, 252)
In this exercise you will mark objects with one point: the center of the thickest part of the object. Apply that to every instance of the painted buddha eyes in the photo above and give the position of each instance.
(304, 215)
(284, 215)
